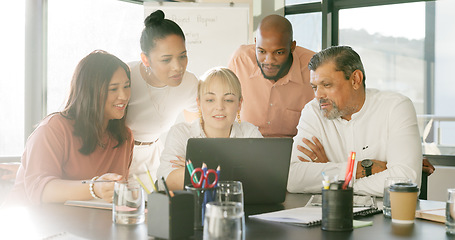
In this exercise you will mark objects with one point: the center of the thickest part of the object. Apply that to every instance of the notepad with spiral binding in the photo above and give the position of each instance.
(307, 216)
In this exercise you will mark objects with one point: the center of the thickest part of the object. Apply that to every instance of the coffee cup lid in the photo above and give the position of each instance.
(404, 187)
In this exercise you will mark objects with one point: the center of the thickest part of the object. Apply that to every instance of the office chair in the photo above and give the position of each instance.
(423, 186)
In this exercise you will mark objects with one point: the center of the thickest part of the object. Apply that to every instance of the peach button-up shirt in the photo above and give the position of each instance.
(273, 106)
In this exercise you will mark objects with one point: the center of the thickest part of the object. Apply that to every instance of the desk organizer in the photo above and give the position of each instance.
(170, 217)
(337, 208)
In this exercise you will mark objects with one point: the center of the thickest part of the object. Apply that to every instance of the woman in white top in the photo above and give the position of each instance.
(161, 89)
(219, 100)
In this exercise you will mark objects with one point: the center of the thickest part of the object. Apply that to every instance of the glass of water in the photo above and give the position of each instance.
(128, 203)
(223, 221)
(229, 191)
(450, 211)
(386, 210)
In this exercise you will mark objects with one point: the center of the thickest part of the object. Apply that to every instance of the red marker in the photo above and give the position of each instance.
(349, 170)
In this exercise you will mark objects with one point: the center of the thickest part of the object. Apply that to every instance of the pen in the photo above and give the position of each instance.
(142, 184)
(151, 179)
(205, 180)
(349, 170)
(218, 170)
(169, 193)
(97, 181)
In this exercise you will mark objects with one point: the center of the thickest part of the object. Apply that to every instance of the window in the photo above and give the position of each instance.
(292, 2)
(444, 63)
(12, 23)
(76, 28)
(307, 30)
(391, 48)
(405, 47)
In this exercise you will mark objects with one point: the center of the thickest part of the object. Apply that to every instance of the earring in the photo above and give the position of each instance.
(238, 117)
(148, 70)
(200, 117)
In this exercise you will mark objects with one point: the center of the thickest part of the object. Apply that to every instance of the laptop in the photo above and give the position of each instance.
(261, 164)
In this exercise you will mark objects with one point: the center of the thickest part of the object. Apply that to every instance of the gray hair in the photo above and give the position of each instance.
(344, 58)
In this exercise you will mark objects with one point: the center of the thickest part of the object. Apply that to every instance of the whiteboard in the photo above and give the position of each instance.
(213, 31)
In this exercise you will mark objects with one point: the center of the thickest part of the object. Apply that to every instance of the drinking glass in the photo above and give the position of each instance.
(223, 221)
(229, 191)
(201, 197)
(128, 203)
(386, 198)
(450, 211)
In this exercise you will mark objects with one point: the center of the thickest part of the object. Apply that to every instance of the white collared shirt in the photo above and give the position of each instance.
(384, 129)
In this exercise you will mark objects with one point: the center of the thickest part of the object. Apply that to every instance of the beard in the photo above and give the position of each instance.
(335, 112)
(284, 68)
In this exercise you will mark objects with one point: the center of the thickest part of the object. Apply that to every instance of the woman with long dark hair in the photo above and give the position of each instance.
(161, 90)
(88, 140)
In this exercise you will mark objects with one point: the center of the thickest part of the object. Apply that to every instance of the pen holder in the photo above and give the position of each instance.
(201, 197)
(337, 203)
(170, 217)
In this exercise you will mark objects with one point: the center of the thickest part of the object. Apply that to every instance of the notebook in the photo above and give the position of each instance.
(437, 215)
(261, 164)
(307, 216)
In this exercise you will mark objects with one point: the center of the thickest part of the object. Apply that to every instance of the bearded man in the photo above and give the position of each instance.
(344, 117)
(274, 77)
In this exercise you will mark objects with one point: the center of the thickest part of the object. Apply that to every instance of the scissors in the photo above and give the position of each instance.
(204, 179)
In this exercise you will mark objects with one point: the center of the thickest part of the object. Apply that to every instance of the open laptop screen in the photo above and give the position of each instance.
(261, 164)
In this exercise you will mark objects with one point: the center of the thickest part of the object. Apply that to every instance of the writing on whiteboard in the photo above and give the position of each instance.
(212, 31)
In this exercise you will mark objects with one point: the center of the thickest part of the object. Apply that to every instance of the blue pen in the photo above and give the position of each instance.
(204, 169)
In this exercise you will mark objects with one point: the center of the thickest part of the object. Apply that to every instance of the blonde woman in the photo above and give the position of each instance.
(219, 100)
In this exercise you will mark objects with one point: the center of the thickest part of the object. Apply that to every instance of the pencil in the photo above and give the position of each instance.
(151, 179)
(142, 184)
(191, 170)
(169, 193)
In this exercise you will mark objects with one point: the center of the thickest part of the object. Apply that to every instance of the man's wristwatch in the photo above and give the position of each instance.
(367, 164)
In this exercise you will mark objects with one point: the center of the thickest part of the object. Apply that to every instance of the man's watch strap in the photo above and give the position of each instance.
(367, 164)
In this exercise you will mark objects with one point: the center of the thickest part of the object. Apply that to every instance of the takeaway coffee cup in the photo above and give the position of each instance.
(403, 201)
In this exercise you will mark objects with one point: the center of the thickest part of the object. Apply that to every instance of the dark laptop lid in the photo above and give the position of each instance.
(261, 164)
